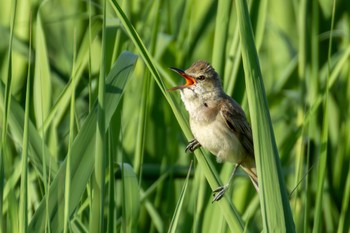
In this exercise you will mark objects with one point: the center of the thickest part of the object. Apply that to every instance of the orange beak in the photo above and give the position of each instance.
(189, 79)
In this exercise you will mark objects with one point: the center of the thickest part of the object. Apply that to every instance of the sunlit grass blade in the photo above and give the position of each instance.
(130, 199)
(324, 140)
(232, 65)
(99, 172)
(68, 189)
(23, 211)
(4, 155)
(221, 31)
(259, 20)
(276, 212)
(174, 221)
(82, 162)
(141, 131)
(110, 198)
(321, 169)
(345, 206)
(42, 76)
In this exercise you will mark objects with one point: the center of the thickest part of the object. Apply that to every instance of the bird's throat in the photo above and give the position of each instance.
(200, 107)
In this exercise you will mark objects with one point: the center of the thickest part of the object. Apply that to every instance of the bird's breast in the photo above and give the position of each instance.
(214, 135)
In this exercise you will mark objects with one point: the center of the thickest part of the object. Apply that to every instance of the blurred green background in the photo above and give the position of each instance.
(57, 46)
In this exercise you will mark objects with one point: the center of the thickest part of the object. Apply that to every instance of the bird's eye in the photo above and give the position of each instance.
(202, 77)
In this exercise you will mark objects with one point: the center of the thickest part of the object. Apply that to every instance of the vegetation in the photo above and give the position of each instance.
(91, 141)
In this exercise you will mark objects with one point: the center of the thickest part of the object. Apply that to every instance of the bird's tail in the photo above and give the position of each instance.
(250, 169)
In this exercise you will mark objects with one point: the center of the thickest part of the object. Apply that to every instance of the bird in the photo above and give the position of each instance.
(217, 121)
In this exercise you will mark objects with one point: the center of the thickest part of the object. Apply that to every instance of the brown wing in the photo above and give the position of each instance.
(237, 122)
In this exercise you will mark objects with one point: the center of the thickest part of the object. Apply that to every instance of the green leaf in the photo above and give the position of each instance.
(275, 208)
(42, 77)
(175, 220)
(23, 208)
(131, 198)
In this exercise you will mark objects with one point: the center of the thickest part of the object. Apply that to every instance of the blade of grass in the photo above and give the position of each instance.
(42, 76)
(232, 217)
(221, 31)
(141, 129)
(42, 103)
(131, 198)
(312, 84)
(175, 219)
(23, 206)
(324, 140)
(67, 192)
(4, 169)
(98, 176)
(345, 206)
(302, 58)
(275, 208)
(111, 154)
(232, 65)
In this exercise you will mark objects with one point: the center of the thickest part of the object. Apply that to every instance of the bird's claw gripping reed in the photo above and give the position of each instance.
(192, 146)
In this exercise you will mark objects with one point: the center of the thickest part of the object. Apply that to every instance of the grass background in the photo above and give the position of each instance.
(122, 137)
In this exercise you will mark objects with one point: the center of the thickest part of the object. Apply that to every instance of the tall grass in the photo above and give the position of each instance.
(88, 94)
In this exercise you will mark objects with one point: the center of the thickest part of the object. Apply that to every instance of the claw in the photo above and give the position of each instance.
(192, 146)
(219, 193)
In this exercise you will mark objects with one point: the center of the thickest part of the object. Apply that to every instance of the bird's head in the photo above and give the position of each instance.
(201, 78)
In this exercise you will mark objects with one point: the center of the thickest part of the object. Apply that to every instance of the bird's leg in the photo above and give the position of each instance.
(192, 146)
(220, 191)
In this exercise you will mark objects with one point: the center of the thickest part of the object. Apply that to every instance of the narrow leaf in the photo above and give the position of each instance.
(275, 208)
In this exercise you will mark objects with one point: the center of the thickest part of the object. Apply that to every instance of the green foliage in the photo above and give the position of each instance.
(72, 97)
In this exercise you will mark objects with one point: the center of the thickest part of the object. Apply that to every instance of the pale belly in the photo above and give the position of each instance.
(216, 137)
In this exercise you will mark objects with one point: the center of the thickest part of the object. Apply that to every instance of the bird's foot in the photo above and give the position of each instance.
(219, 193)
(192, 146)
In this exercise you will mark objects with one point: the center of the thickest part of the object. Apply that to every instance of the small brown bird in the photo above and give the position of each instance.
(217, 122)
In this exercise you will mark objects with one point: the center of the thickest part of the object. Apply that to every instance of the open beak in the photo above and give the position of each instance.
(189, 79)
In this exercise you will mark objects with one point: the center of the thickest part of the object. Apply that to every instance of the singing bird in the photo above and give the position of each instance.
(217, 121)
